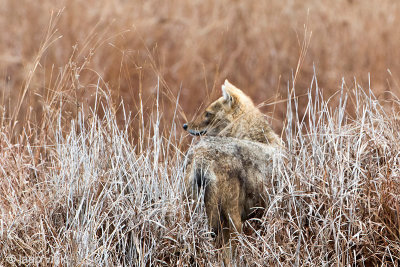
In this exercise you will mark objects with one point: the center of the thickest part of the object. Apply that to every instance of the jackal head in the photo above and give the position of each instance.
(221, 113)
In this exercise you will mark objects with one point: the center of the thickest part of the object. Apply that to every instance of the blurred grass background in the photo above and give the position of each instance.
(189, 48)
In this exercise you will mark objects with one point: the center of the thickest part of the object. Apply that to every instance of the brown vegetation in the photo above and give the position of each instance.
(83, 181)
(191, 47)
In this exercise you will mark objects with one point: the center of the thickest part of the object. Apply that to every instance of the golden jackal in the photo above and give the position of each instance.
(233, 163)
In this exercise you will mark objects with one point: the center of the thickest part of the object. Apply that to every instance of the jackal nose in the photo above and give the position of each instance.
(185, 126)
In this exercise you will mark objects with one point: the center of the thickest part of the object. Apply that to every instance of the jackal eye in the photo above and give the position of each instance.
(208, 114)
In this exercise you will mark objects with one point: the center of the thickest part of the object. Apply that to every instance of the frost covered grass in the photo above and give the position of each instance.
(85, 194)
(93, 198)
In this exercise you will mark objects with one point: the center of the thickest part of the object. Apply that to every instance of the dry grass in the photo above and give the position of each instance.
(86, 180)
(91, 197)
(192, 47)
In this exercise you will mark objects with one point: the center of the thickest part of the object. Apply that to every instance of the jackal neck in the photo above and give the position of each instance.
(252, 125)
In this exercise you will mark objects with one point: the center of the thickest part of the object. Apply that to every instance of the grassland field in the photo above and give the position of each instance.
(93, 95)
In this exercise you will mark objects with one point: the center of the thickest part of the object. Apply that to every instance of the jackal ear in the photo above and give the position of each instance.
(227, 96)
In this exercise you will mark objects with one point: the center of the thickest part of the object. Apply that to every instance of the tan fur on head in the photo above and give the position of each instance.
(235, 96)
(233, 115)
